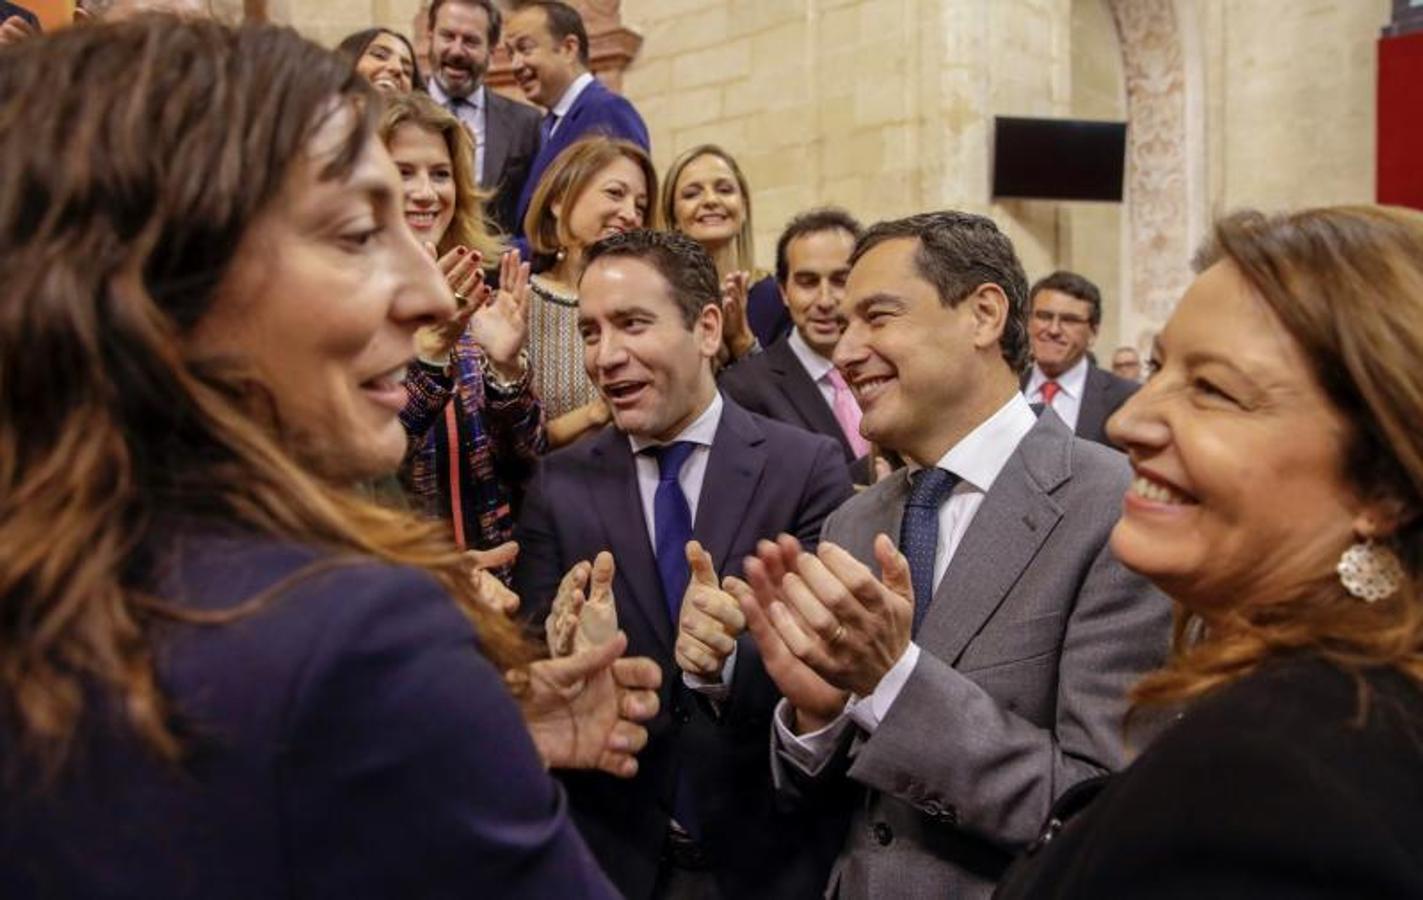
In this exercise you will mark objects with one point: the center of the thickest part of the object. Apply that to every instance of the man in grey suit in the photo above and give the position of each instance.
(1066, 312)
(505, 132)
(985, 670)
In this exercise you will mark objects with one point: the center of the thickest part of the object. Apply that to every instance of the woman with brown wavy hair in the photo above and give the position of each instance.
(1279, 481)
(222, 673)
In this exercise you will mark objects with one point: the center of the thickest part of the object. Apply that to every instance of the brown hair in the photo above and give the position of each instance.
(565, 180)
(688, 270)
(745, 240)
(959, 251)
(354, 46)
(469, 228)
(1347, 284)
(1073, 285)
(136, 157)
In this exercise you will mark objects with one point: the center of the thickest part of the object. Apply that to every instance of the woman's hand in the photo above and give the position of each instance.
(584, 711)
(736, 333)
(489, 588)
(465, 277)
(501, 326)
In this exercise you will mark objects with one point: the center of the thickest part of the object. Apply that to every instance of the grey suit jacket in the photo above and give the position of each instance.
(1103, 395)
(510, 147)
(1033, 638)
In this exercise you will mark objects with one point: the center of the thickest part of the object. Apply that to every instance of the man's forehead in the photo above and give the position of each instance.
(1060, 299)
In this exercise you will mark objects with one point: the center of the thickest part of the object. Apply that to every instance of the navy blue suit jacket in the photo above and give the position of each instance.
(762, 478)
(347, 739)
(596, 111)
(8, 9)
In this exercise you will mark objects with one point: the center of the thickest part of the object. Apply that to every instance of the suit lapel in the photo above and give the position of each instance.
(804, 396)
(1092, 414)
(614, 497)
(1009, 528)
(497, 132)
(734, 468)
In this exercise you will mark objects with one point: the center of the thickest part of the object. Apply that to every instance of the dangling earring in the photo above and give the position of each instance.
(1370, 571)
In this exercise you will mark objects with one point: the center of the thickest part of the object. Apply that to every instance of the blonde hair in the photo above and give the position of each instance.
(745, 239)
(564, 182)
(1347, 284)
(469, 228)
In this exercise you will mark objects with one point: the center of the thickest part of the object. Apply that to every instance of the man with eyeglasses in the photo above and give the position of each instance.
(1066, 310)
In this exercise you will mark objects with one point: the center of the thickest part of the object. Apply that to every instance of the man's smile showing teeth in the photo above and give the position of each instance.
(1156, 492)
(866, 389)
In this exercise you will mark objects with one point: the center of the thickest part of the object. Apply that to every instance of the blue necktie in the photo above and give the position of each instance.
(546, 129)
(672, 517)
(919, 532)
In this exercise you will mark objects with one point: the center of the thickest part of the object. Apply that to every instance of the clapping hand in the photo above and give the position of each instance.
(464, 275)
(584, 614)
(710, 621)
(834, 615)
(501, 325)
(585, 711)
(16, 29)
(736, 333)
(489, 588)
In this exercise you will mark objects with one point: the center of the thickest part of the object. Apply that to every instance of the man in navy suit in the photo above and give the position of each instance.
(548, 49)
(1066, 311)
(681, 468)
(794, 381)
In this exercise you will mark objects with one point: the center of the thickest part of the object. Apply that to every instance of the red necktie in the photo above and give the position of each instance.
(1049, 391)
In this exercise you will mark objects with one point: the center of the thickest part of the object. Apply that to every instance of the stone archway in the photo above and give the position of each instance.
(1165, 148)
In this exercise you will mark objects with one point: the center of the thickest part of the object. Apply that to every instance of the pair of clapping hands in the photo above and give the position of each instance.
(584, 706)
(826, 627)
(497, 319)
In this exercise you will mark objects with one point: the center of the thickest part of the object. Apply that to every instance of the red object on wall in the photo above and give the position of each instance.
(1400, 120)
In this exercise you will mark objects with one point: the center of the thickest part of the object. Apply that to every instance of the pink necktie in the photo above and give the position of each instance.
(1049, 391)
(847, 413)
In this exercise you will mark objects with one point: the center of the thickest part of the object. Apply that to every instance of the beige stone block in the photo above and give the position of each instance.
(752, 16)
(727, 62)
(646, 78)
(729, 134)
(698, 107)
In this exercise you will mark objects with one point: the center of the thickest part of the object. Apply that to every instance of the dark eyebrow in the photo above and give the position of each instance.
(881, 297)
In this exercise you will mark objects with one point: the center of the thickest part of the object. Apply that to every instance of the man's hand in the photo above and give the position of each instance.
(848, 626)
(585, 711)
(710, 621)
(14, 30)
(501, 325)
(582, 615)
(816, 702)
(491, 590)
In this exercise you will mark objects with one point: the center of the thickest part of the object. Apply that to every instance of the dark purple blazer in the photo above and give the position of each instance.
(762, 478)
(596, 111)
(347, 739)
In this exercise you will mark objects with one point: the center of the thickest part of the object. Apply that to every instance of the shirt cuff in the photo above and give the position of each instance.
(714, 690)
(808, 752)
(868, 712)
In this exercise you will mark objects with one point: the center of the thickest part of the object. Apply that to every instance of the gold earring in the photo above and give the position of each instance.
(1370, 571)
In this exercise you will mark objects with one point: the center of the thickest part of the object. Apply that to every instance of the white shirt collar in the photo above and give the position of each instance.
(815, 365)
(570, 96)
(1073, 382)
(701, 431)
(437, 93)
(983, 452)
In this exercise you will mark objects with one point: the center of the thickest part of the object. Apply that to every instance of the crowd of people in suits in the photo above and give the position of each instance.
(429, 500)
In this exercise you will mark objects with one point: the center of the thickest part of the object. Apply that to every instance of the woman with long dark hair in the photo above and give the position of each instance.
(222, 672)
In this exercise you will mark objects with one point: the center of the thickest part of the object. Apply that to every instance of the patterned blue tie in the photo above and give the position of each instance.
(919, 532)
(672, 517)
(546, 129)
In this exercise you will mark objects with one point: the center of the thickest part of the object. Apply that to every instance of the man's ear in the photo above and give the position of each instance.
(1381, 519)
(707, 329)
(989, 306)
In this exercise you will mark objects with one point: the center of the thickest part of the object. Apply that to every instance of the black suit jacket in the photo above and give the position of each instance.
(1102, 394)
(346, 739)
(762, 478)
(775, 384)
(1277, 786)
(509, 151)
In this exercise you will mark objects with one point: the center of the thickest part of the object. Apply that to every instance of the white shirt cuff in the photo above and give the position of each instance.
(808, 752)
(869, 711)
(714, 690)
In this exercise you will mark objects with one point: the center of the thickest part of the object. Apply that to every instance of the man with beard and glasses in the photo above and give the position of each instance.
(505, 132)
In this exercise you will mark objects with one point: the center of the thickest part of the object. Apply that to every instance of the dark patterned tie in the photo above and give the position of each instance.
(672, 517)
(546, 129)
(919, 532)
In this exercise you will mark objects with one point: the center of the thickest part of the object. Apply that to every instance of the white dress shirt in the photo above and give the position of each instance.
(570, 96)
(1068, 402)
(977, 460)
(471, 111)
(815, 365)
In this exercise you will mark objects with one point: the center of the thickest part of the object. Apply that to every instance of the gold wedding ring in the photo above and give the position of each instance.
(838, 635)
(461, 299)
